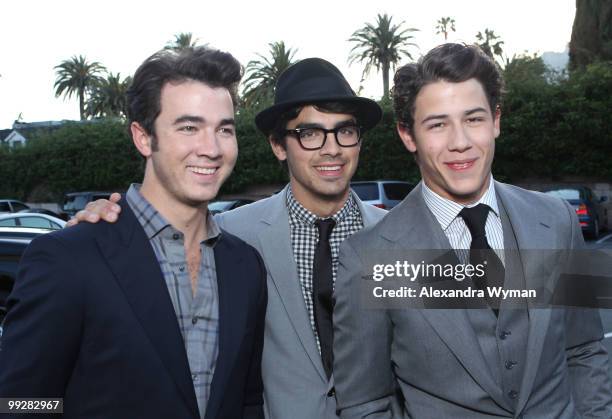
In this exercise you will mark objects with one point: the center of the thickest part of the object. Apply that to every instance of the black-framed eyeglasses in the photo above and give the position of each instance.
(314, 138)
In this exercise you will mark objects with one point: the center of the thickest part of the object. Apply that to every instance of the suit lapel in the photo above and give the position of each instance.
(133, 261)
(232, 321)
(275, 242)
(420, 230)
(533, 232)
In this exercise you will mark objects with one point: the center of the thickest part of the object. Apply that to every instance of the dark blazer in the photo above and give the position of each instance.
(90, 320)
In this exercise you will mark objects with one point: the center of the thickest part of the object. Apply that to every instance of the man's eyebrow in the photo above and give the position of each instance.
(436, 116)
(475, 110)
(227, 121)
(344, 123)
(188, 118)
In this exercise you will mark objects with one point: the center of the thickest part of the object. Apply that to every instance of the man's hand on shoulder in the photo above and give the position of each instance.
(101, 209)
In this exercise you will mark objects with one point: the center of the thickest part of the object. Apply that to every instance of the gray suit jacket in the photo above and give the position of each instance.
(295, 384)
(434, 353)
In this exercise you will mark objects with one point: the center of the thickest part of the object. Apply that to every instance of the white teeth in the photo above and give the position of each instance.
(202, 170)
(460, 165)
(328, 168)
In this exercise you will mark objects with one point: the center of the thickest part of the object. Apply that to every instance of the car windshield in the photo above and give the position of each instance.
(565, 193)
(366, 191)
(76, 202)
(397, 191)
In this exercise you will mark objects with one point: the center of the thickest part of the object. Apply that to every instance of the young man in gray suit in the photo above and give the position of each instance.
(491, 362)
(315, 127)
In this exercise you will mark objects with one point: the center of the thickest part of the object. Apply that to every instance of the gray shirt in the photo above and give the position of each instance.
(197, 314)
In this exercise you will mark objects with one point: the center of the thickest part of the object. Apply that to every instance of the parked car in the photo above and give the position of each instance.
(592, 215)
(12, 205)
(382, 193)
(42, 211)
(22, 232)
(76, 201)
(25, 219)
(216, 207)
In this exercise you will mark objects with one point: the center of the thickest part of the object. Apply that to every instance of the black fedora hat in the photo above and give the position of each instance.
(313, 81)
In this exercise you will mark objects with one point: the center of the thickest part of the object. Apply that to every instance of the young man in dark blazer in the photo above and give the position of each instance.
(162, 314)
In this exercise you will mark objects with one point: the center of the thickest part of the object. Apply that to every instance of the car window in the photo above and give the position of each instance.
(10, 222)
(37, 222)
(565, 193)
(100, 196)
(4, 207)
(397, 191)
(18, 206)
(366, 191)
(76, 202)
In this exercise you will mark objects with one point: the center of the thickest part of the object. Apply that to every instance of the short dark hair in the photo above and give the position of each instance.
(209, 66)
(453, 63)
(277, 134)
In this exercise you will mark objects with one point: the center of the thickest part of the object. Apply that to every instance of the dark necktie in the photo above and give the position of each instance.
(322, 285)
(481, 253)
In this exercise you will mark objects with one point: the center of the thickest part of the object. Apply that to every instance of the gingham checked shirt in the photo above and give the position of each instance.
(197, 315)
(304, 239)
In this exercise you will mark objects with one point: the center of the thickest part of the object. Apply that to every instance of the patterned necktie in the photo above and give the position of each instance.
(322, 284)
(481, 253)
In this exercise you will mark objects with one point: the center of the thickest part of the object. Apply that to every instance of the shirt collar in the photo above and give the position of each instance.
(303, 216)
(446, 210)
(154, 223)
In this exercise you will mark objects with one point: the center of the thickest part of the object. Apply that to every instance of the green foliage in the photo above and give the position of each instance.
(261, 75)
(77, 76)
(182, 41)
(381, 45)
(549, 130)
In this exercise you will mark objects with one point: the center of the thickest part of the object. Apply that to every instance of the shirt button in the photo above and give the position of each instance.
(176, 236)
(510, 364)
(503, 335)
(512, 394)
(194, 377)
(181, 268)
(332, 392)
(194, 320)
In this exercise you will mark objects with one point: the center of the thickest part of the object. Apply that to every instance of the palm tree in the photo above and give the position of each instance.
(444, 26)
(381, 45)
(261, 75)
(181, 41)
(108, 97)
(75, 77)
(491, 44)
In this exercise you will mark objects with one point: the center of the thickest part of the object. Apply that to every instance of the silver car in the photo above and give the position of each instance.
(383, 194)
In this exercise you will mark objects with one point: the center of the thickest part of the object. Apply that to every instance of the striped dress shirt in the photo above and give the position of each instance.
(455, 229)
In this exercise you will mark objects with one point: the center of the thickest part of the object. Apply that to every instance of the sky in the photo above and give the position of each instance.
(37, 35)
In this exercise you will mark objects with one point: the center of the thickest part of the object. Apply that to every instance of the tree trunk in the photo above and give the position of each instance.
(385, 74)
(591, 33)
(82, 103)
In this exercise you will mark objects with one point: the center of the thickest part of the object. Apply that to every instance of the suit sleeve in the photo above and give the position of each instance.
(42, 329)
(253, 400)
(587, 358)
(362, 346)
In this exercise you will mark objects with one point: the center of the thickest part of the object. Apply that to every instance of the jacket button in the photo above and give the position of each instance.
(512, 394)
(332, 392)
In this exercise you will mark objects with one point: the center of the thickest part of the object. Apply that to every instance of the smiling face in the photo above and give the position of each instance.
(319, 178)
(196, 145)
(454, 139)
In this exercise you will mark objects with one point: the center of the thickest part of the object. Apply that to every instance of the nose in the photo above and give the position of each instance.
(459, 139)
(331, 147)
(208, 144)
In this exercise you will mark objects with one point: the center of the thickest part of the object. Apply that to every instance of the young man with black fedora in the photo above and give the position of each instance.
(315, 126)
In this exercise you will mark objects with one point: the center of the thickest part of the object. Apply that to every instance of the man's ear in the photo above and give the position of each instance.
(141, 139)
(407, 137)
(496, 120)
(278, 149)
